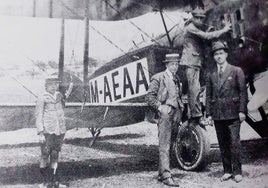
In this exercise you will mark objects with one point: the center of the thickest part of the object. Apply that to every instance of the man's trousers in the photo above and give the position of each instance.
(167, 132)
(194, 90)
(230, 145)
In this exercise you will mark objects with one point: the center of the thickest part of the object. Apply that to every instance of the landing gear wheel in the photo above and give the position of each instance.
(192, 147)
(95, 134)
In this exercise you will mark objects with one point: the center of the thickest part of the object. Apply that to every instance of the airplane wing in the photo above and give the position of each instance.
(98, 10)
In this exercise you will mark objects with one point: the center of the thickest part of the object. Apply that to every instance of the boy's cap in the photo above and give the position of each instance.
(172, 57)
(52, 79)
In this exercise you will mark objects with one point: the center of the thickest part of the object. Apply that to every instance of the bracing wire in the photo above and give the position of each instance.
(132, 23)
(34, 63)
(31, 60)
(27, 57)
(143, 4)
(16, 80)
(97, 31)
(93, 28)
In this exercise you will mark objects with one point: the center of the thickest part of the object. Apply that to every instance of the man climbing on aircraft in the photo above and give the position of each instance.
(192, 57)
(164, 95)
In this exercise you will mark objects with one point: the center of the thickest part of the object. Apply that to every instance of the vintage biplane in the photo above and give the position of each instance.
(113, 94)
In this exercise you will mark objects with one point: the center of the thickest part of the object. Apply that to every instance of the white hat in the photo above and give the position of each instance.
(172, 57)
(52, 79)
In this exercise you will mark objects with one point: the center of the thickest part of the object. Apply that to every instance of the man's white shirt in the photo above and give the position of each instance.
(223, 66)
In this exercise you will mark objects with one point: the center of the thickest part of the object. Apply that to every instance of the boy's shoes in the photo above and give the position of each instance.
(52, 185)
(226, 177)
(238, 178)
(169, 182)
(59, 185)
(43, 185)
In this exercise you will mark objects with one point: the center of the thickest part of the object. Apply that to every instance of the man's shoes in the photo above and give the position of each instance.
(226, 177)
(169, 182)
(238, 178)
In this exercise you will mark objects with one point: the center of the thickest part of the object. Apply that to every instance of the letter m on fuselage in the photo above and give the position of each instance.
(93, 92)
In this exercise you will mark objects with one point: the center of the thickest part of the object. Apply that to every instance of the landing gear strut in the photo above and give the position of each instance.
(95, 132)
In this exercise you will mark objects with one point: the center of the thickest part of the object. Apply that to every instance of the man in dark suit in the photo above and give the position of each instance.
(164, 95)
(226, 105)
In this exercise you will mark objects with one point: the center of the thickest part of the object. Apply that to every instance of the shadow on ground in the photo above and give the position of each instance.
(251, 150)
(77, 141)
(29, 174)
(139, 158)
(127, 149)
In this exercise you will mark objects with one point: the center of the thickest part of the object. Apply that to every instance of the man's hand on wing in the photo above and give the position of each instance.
(227, 26)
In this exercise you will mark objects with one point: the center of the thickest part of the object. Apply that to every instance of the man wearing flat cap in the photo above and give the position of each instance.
(226, 101)
(50, 123)
(164, 96)
(192, 57)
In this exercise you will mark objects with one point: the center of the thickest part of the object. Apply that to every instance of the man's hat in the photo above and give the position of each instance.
(199, 13)
(52, 79)
(172, 57)
(218, 45)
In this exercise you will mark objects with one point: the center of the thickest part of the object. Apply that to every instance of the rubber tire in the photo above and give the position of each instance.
(201, 142)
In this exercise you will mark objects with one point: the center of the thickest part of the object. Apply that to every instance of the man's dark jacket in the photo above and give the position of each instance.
(226, 97)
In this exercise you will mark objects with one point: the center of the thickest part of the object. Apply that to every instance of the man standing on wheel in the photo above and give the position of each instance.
(226, 105)
(164, 95)
(192, 59)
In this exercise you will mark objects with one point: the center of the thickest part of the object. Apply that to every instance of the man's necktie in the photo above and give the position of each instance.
(177, 85)
(220, 72)
(174, 79)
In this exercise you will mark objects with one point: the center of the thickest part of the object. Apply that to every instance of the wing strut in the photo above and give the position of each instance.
(61, 55)
(165, 26)
(86, 47)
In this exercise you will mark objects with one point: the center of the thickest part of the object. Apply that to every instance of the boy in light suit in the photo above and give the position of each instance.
(50, 123)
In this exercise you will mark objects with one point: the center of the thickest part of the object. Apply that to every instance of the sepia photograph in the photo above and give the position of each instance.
(133, 93)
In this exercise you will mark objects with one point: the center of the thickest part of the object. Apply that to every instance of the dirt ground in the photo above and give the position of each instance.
(121, 157)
